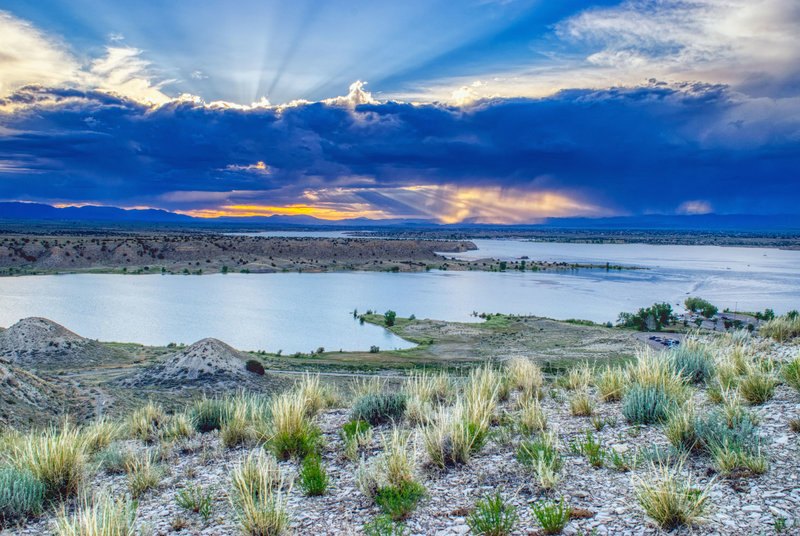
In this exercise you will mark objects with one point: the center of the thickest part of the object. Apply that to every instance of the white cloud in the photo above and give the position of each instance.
(695, 207)
(28, 56)
(753, 46)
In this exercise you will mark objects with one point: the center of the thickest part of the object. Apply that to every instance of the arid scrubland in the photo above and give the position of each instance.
(700, 439)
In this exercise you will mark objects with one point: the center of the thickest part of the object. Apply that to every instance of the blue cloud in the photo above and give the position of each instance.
(627, 150)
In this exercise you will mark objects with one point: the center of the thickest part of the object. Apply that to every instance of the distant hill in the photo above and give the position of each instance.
(706, 222)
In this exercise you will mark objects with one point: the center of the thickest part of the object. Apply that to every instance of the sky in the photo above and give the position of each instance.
(485, 111)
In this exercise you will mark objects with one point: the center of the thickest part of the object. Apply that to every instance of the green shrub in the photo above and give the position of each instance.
(355, 435)
(293, 431)
(492, 516)
(698, 304)
(383, 525)
(541, 455)
(591, 448)
(197, 500)
(398, 501)
(21, 495)
(646, 405)
(552, 516)
(379, 408)
(254, 366)
(313, 477)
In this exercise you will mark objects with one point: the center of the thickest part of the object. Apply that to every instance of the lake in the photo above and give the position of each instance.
(301, 312)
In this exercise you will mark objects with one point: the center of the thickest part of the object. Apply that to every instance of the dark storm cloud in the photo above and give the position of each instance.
(630, 150)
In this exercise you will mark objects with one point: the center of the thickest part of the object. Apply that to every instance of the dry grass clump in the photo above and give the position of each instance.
(578, 378)
(145, 423)
(581, 404)
(453, 436)
(258, 497)
(791, 373)
(318, 396)
(103, 516)
(55, 457)
(611, 383)
(782, 328)
(531, 418)
(292, 430)
(424, 392)
(525, 375)
(542, 456)
(389, 479)
(367, 386)
(99, 434)
(144, 472)
(482, 393)
(670, 499)
(757, 385)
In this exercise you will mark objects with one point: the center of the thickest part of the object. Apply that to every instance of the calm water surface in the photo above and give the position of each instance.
(300, 312)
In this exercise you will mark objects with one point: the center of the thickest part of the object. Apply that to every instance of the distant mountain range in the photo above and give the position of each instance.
(709, 222)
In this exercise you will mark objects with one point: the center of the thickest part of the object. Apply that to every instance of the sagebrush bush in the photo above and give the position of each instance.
(103, 516)
(379, 408)
(670, 499)
(492, 516)
(57, 458)
(647, 405)
(692, 360)
(22, 495)
(552, 515)
(114, 459)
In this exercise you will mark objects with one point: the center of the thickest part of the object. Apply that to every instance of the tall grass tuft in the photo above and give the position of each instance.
(757, 385)
(144, 473)
(317, 395)
(355, 435)
(791, 374)
(692, 359)
(145, 423)
(293, 432)
(581, 404)
(579, 377)
(258, 498)
(525, 375)
(56, 458)
(100, 434)
(541, 455)
(611, 383)
(670, 499)
(531, 417)
(103, 516)
(781, 328)
(454, 435)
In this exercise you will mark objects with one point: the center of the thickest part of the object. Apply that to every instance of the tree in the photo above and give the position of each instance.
(389, 316)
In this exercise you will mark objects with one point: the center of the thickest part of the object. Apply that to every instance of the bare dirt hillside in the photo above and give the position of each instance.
(208, 362)
(39, 343)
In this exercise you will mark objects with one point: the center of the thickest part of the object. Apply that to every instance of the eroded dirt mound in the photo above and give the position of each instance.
(25, 397)
(40, 342)
(206, 361)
